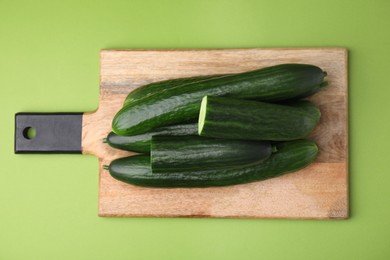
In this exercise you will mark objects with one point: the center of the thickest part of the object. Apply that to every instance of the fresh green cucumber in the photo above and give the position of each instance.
(141, 143)
(229, 118)
(182, 103)
(290, 156)
(188, 153)
(156, 87)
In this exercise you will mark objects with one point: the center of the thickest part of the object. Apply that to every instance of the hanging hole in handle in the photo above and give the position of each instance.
(29, 133)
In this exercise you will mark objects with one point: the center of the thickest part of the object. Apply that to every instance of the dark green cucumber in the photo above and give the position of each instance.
(229, 118)
(182, 103)
(289, 157)
(141, 143)
(188, 153)
(156, 87)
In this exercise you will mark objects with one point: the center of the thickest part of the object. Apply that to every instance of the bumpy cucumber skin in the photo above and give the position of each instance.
(141, 143)
(290, 157)
(188, 153)
(182, 103)
(156, 87)
(253, 120)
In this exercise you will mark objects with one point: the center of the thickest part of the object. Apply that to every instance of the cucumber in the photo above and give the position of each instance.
(188, 153)
(290, 156)
(156, 87)
(229, 118)
(182, 103)
(141, 143)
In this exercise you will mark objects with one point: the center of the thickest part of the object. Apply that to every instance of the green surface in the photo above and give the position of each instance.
(49, 61)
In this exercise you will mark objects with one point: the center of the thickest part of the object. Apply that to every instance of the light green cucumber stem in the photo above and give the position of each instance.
(105, 140)
(106, 167)
(324, 84)
(202, 114)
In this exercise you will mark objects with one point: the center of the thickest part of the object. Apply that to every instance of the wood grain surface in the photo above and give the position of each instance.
(319, 191)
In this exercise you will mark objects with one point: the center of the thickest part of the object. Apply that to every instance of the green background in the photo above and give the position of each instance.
(49, 62)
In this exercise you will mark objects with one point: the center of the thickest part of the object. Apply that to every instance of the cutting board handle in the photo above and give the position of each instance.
(48, 132)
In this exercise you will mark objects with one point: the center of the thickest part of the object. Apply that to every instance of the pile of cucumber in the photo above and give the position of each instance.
(218, 130)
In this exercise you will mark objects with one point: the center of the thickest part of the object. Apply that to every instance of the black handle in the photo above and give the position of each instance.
(54, 132)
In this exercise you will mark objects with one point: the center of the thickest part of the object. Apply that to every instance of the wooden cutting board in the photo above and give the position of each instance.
(319, 191)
